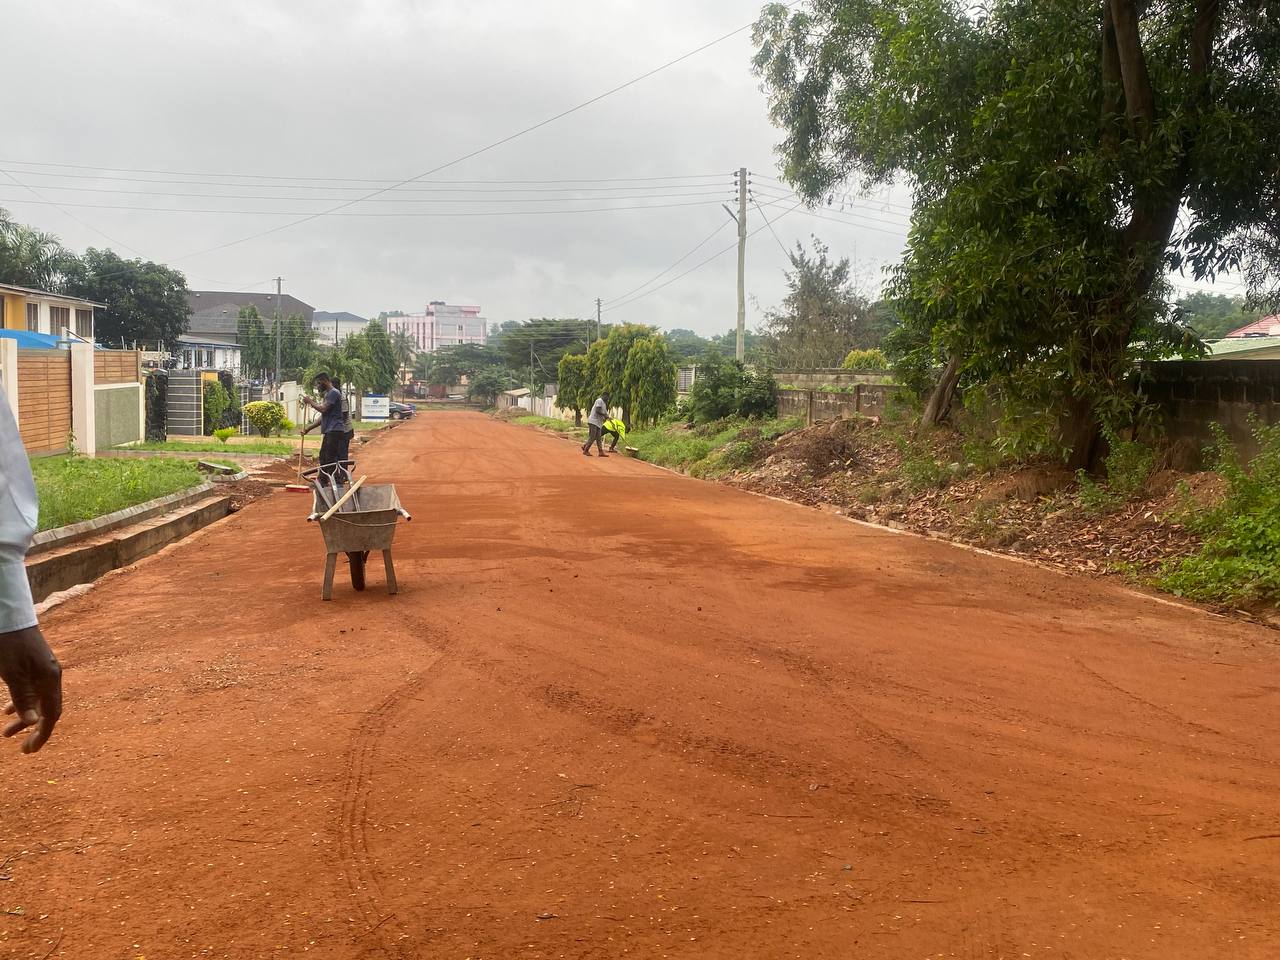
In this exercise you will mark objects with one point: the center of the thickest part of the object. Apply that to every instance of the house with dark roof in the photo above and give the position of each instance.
(214, 313)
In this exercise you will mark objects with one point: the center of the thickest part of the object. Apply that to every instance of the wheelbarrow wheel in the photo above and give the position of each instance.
(357, 569)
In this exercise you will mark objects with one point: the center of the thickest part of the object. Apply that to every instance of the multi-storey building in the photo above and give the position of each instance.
(442, 325)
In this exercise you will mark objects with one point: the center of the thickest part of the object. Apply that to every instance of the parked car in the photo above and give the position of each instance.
(401, 411)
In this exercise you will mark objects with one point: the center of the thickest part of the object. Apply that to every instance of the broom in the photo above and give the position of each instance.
(299, 487)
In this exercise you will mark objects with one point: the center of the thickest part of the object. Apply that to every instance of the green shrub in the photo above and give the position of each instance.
(1129, 464)
(872, 360)
(725, 388)
(267, 416)
(216, 402)
(225, 434)
(1094, 498)
(1239, 561)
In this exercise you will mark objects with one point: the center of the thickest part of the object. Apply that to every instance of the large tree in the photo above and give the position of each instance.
(650, 379)
(1213, 315)
(1063, 156)
(608, 367)
(145, 301)
(572, 385)
(532, 350)
(382, 358)
(822, 317)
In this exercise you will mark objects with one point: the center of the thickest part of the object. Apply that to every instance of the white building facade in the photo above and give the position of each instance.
(442, 325)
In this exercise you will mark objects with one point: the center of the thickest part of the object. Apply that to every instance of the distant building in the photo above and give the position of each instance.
(334, 327)
(442, 325)
(207, 353)
(214, 313)
(1266, 327)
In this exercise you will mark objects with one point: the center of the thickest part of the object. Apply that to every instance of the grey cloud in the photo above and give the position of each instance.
(388, 89)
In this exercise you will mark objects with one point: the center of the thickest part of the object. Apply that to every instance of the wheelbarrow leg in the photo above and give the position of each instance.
(391, 572)
(330, 564)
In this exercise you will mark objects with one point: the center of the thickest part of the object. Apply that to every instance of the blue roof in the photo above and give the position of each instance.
(32, 341)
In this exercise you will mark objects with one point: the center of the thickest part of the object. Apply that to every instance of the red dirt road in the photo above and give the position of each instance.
(615, 712)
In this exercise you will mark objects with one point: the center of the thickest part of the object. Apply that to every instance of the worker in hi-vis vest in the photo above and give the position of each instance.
(616, 429)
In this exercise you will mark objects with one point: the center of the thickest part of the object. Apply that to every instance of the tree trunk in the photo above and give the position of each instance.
(577, 417)
(939, 405)
(1080, 434)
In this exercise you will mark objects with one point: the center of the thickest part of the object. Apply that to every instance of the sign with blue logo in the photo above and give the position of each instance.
(375, 406)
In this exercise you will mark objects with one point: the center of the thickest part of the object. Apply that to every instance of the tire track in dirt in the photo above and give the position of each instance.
(357, 863)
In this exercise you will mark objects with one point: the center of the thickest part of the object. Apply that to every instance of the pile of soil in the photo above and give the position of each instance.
(862, 469)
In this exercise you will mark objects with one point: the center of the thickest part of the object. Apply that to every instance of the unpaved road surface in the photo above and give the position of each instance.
(615, 712)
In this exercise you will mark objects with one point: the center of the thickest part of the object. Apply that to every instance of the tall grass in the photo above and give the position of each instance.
(71, 489)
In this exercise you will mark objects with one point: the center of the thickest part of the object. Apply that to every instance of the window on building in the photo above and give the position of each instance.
(186, 359)
(33, 317)
(84, 324)
(59, 320)
(208, 358)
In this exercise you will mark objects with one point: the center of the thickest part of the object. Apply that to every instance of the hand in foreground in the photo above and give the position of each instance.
(34, 678)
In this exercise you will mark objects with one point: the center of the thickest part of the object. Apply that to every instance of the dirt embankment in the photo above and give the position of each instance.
(877, 473)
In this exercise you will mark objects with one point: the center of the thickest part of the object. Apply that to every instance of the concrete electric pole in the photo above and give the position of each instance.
(279, 329)
(742, 264)
(598, 302)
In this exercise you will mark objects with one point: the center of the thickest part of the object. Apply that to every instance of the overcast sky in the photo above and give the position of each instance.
(252, 93)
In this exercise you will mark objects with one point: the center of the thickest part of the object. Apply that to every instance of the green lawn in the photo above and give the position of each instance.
(72, 489)
(274, 448)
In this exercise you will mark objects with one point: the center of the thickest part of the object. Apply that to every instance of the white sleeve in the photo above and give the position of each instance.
(18, 514)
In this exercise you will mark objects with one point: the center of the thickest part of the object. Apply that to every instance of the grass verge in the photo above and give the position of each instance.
(713, 449)
(273, 448)
(564, 427)
(72, 489)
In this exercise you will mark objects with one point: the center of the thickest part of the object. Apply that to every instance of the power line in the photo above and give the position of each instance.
(428, 214)
(394, 199)
(323, 180)
(701, 264)
(441, 186)
(477, 152)
(701, 243)
(781, 246)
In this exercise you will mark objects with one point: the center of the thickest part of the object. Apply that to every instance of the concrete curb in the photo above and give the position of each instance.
(64, 536)
(80, 563)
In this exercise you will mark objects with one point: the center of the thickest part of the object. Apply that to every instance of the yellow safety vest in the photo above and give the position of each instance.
(617, 426)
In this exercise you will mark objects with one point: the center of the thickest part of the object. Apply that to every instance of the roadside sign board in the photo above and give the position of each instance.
(375, 406)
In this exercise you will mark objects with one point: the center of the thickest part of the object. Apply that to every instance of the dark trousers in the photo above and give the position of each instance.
(613, 444)
(593, 436)
(334, 447)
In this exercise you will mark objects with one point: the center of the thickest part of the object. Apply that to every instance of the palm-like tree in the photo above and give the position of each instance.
(30, 258)
(405, 348)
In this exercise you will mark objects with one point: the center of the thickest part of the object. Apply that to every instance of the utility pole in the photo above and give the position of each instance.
(279, 330)
(742, 264)
(597, 322)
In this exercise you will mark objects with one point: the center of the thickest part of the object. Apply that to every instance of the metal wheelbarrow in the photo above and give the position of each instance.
(364, 521)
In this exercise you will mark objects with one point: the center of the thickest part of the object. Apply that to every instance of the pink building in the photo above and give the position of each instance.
(442, 325)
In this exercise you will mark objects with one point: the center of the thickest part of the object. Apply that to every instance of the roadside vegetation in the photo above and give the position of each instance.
(72, 489)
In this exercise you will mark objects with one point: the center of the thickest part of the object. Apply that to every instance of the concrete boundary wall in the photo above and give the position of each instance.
(866, 400)
(53, 395)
